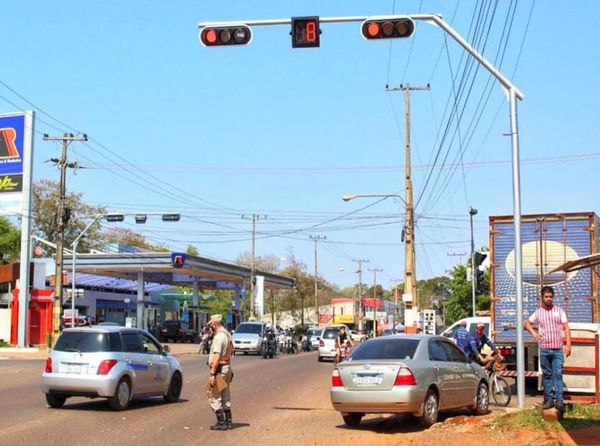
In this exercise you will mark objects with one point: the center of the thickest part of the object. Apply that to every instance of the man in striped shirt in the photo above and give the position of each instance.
(552, 328)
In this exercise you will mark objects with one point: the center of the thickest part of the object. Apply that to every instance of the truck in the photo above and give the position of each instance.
(548, 241)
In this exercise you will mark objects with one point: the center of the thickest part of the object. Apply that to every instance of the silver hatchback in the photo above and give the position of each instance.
(417, 374)
(112, 362)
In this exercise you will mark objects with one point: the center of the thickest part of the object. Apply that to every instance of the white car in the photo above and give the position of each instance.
(356, 336)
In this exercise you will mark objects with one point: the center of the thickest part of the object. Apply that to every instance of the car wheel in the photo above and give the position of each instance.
(55, 401)
(430, 409)
(352, 419)
(120, 400)
(174, 391)
(482, 401)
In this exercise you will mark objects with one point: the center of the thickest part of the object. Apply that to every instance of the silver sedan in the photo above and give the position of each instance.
(417, 374)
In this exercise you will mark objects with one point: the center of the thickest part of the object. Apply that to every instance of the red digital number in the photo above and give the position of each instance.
(311, 31)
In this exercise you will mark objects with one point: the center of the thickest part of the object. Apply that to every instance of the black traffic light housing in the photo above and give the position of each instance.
(480, 258)
(225, 35)
(387, 28)
(305, 32)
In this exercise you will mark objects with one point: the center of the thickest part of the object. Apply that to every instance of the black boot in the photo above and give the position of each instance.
(228, 423)
(220, 424)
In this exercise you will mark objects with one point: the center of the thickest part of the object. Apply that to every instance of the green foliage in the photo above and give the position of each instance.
(432, 289)
(379, 292)
(10, 242)
(222, 302)
(192, 250)
(267, 264)
(46, 195)
(130, 238)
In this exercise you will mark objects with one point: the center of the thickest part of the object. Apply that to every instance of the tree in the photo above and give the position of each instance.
(460, 303)
(46, 195)
(10, 242)
(266, 264)
(192, 250)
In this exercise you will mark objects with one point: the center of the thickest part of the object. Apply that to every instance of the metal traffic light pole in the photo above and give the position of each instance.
(513, 94)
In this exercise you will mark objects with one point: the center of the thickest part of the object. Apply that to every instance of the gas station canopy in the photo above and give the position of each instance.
(162, 268)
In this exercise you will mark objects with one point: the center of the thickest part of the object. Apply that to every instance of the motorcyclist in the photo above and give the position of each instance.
(342, 341)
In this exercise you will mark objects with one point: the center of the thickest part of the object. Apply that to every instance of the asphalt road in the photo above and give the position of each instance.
(284, 399)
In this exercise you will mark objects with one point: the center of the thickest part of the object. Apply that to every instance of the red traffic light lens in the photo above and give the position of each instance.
(209, 37)
(373, 29)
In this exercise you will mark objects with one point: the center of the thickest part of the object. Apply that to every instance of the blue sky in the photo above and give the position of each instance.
(217, 133)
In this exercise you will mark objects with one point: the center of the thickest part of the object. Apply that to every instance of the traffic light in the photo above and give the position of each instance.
(178, 259)
(305, 32)
(388, 28)
(171, 217)
(115, 217)
(225, 35)
(480, 258)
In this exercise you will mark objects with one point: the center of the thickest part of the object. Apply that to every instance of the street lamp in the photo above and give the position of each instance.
(473, 212)
(349, 197)
(109, 217)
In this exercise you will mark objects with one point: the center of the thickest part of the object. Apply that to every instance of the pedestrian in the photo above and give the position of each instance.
(219, 363)
(552, 333)
(461, 337)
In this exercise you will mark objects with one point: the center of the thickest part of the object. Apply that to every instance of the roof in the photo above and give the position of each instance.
(84, 280)
(158, 268)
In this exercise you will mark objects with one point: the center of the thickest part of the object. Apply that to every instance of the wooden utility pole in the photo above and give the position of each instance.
(410, 278)
(360, 298)
(62, 217)
(316, 238)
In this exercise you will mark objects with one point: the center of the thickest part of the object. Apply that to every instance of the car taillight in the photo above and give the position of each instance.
(48, 368)
(105, 366)
(321, 343)
(405, 378)
(336, 379)
(506, 351)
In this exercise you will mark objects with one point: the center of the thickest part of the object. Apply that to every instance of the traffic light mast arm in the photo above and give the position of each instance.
(433, 19)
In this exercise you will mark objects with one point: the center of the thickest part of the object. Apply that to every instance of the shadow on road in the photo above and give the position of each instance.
(101, 404)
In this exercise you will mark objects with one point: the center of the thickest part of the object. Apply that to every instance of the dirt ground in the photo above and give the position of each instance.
(477, 431)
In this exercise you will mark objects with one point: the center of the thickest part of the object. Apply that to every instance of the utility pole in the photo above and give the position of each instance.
(254, 218)
(410, 279)
(360, 301)
(375, 271)
(473, 212)
(316, 238)
(62, 218)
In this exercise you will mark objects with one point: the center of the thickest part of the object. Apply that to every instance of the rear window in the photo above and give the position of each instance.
(386, 349)
(84, 342)
(315, 332)
(249, 328)
(331, 334)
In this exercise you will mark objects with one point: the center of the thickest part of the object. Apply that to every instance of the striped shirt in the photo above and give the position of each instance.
(550, 326)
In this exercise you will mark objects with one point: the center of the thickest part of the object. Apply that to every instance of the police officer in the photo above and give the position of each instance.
(219, 364)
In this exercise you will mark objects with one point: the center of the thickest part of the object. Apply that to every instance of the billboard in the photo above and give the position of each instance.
(12, 155)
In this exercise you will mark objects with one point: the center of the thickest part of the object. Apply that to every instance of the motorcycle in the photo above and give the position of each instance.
(290, 344)
(205, 344)
(281, 342)
(269, 345)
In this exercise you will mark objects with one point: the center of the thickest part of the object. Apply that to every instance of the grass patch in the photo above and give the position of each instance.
(579, 417)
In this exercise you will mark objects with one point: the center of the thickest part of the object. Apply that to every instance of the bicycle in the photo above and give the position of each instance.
(499, 387)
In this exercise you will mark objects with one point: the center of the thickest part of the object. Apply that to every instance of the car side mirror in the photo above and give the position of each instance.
(166, 348)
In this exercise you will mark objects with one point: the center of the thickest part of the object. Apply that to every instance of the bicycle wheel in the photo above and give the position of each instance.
(500, 391)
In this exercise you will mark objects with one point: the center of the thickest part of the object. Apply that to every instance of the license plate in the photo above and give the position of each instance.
(73, 368)
(367, 379)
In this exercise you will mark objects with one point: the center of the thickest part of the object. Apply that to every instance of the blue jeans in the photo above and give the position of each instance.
(552, 360)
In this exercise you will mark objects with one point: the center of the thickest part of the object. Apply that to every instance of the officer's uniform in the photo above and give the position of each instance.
(221, 403)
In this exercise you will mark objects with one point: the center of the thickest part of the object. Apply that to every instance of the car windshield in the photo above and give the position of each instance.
(83, 342)
(315, 332)
(248, 328)
(392, 348)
